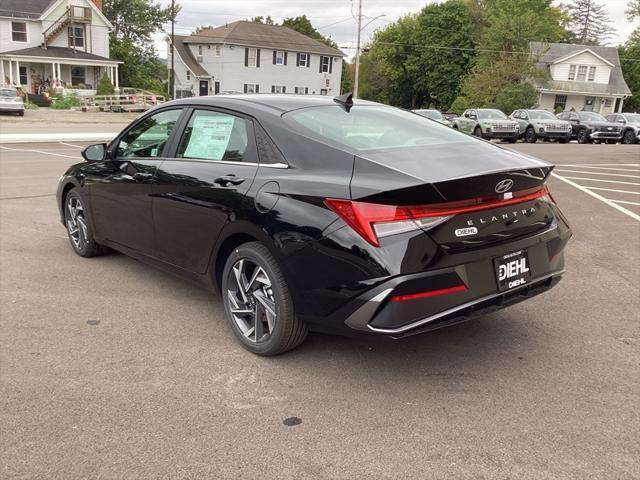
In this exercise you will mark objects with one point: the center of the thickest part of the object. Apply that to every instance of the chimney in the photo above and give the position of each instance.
(98, 4)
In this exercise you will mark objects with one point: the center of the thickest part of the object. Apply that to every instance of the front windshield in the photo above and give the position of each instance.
(491, 115)
(541, 115)
(632, 117)
(432, 114)
(591, 117)
(372, 127)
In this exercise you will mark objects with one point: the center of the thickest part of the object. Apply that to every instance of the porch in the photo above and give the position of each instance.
(36, 70)
(599, 103)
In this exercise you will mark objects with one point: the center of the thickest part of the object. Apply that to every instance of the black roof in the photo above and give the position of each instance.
(24, 8)
(58, 52)
(277, 103)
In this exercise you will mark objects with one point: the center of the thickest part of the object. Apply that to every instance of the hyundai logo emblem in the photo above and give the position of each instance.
(504, 186)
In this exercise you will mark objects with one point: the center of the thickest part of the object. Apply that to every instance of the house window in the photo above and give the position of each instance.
(323, 91)
(301, 90)
(592, 74)
(188, 75)
(572, 72)
(278, 89)
(278, 57)
(303, 60)
(560, 101)
(199, 49)
(76, 36)
(325, 62)
(327, 82)
(251, 87)
(19, 31)
(23, 76)
(77, 76)
(582, 73)
(252, 57)
(218, 50)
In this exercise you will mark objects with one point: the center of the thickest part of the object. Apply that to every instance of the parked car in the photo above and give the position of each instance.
(307, 212)
(433, 115)
(536, 124)
(630, 126)
(591, 127)
(451, 116)
(11, 101)
(487, 123)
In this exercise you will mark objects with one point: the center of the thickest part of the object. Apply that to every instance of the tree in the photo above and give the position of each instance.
(268, 20)
(629, 55)
(105, 87)
(134, 23)
(590, 23)
(512, 97)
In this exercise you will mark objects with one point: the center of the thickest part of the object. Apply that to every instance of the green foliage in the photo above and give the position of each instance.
(512, 97)
(66, 101)
(629, 53)
(459, 105)
(134, 23)
(268, 20)
(104, 86)
(303, 25)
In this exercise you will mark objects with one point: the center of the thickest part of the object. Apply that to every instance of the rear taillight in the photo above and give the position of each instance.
(374, 221)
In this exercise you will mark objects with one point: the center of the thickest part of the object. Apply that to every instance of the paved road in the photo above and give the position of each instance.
(111, 369)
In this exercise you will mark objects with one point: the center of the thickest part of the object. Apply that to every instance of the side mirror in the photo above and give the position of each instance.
(473, 117)
(466, 115)
(95, 153)
(621, 120)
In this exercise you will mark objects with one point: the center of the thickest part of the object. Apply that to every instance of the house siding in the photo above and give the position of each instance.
(560, 71)
(34, 35)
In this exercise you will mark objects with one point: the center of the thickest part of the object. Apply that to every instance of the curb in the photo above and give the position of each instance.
(55, 137)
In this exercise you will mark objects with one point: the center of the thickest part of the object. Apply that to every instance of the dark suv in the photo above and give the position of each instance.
(591, 127)
(630, 123)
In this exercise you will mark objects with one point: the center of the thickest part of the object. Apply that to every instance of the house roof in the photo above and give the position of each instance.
(187, 57)
(24, 8)
(549, 53)
(255, 34)
(57, 53)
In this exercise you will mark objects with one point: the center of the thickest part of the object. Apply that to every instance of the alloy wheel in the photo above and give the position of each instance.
(251, 301)
(76, 222)
(628, 137)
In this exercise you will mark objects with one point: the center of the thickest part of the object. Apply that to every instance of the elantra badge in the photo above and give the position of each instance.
(465, 232)
(504, 186)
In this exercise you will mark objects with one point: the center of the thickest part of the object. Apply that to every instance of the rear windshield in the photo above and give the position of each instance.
(541, 115)
(432, 114)
(491, 115)
(591, 116)
(371, 127)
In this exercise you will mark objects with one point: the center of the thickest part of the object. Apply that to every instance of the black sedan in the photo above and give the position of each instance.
(318, 213)
(591, 127)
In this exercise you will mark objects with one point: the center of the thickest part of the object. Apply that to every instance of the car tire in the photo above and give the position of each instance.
(530, 135)
(612, 142)
(582, 136)
(21, 114)
(477, 132)
(628, 138)
(78, 224)
(257, 302)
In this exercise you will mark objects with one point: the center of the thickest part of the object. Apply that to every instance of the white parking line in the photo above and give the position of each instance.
(71, 145)
(625, 202)
(635, 216)
(600, 180)
(597, 173)
(603, 168)
(612, 190)
(38, 151)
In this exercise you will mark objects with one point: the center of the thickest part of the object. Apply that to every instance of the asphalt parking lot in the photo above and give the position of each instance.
(112, 369)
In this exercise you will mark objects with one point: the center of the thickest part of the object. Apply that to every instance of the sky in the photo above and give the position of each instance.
(332, 18)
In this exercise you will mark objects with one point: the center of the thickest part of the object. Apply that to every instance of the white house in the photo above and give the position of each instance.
(254, 58)
(54, 43)
(580, 77)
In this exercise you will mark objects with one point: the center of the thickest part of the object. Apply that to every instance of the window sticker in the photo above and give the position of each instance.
(209, 137)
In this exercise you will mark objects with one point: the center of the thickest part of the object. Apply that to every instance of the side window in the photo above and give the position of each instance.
(215, 136)
(149, 137)
(523, 115)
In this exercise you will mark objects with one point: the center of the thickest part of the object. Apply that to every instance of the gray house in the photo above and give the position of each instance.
(253, 57)
(580, 77)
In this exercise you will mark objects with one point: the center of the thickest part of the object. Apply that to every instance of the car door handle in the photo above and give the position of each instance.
(227, 180)
(141, 176)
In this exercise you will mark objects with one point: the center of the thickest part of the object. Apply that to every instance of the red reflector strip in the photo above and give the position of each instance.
(429, 293)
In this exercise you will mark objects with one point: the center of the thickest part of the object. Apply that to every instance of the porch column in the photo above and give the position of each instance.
(59, 75)
(116, 76)
(53, 74)
(18, 72)
(10, 72)
(109, 74)
(1, 72)
(620, 106)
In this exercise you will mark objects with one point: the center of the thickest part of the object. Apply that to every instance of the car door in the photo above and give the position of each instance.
(466, 121)
(213, 164)
(120, 186)
(523, 121)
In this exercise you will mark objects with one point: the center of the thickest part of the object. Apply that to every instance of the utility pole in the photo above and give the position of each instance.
(357, 71)
(172, 78)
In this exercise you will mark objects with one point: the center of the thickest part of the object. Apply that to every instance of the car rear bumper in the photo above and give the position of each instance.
(12, 108)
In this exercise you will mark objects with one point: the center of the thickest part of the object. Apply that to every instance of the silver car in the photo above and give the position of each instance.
(630, 123)
(536, 124)
(11, 101)
(487, 123)
(433, 115)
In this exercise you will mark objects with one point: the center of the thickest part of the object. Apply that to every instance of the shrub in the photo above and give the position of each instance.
(105, 87)
(520, 95)
(66, 101)
(460, 104)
